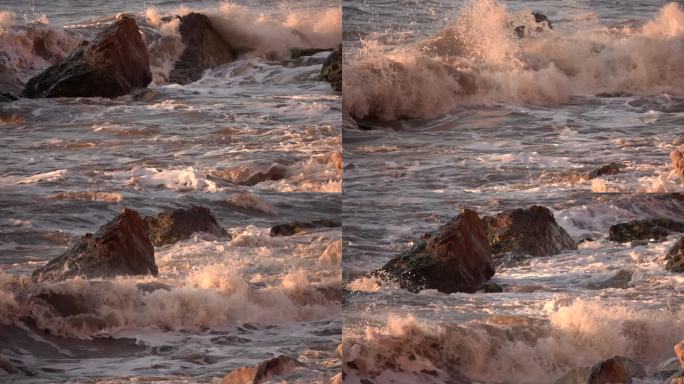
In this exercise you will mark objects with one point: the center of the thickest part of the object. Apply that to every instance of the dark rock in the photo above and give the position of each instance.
(114, 64)
(677, 158)
(611, 371)
(656, 229)
(7, 97)
(532, 231)
(610, 169)
(7, 366)
(274, 173)
(205, 48)
(296, 53)
(491, 287)
(266, 370)
(456, 258)
(179, 224)
(675, 261)
(332, 69)
(295, 227)
(120, 247)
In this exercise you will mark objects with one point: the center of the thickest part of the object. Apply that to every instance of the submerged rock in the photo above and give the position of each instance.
(456, 258)
(266, 370)
(295, 227)
(204, 49)
(114, 64)
(180, 224)
(609, 169)
(120, 247)
(656, 229)
(675, 260)
(532, 231)
(611, 371)
(332, 69)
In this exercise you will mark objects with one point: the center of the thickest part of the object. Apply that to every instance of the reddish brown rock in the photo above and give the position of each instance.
(261, 373)
(120, 247)
(179, 224)
(456, 258)
(114, 64)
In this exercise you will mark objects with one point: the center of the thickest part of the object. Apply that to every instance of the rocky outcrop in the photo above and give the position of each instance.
(261, 373)
(675, 259)
(677, 158)
(611, 371)
(205, 48)
(295, 227)
(114, 64)
(649, 229)
(455, 258)
(180, 224)
(532, 231)
(120, 247)
(332, 69)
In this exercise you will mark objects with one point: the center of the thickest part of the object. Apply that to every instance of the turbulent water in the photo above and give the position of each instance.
(455, 110)
(67, 166)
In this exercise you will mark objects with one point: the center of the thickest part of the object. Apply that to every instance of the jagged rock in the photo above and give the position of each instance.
(180, 224)
(656, 229)
(114, 64)
(532, 231)
(610, 169)
(455, 258)
(295, 227)
(675, 259)
(611, 371)
(677, 158)
(332, 69)
(204, 49)
(120, 247)
(266, 370)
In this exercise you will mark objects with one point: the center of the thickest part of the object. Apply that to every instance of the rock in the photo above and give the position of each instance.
(114, 64)
(274, 173)
(675, 259)
(266, 370)
(542, 21)
(7, 366)
(120, 247)
(332, 69)
(656, 229)
(616, 370)
(610, 169)
(677, 378)
(679, 351)
(296, 53)
(7, 97)
(204, 49)
(620, 280)
(295, 227)
(456, 258)
(677, 158)
(490, 287)
(532, 231)
(180, 224)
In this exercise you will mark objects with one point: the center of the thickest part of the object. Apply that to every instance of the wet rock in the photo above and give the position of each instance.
(610, 169)
(620, 280)
(611, 371)
(541, 19)
(205, 48)
(296, 53)
(491, 287)
(180, 224)
(675, 259)
(114, 64)
(532, 231)
(274, 173)
(677, 158)
(655, 229)
(332, 69)
(295, 227)
(120, 247)
(268, 369)
(455, 258)
(7, 97)
(7, 366)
